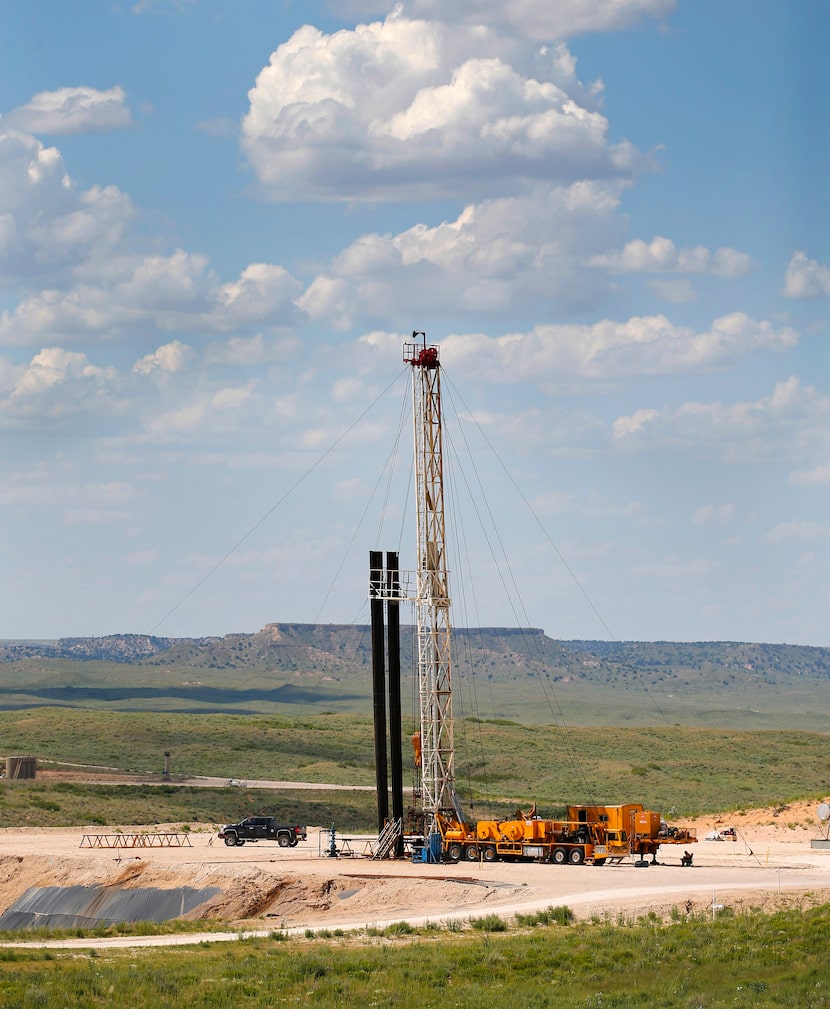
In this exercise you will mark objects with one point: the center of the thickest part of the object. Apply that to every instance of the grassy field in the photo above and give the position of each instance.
(738, 961)
(679, 771)
(69, 804)
(742, 960)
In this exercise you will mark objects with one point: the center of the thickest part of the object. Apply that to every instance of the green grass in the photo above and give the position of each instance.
(738, 961)
(678, 771)
(36, 804)
(172, 926)
(322, 748)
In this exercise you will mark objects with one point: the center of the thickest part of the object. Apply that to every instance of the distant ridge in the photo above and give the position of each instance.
(502, 674)
(500, 652)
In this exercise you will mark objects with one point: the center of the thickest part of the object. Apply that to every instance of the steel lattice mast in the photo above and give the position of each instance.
(432, 597)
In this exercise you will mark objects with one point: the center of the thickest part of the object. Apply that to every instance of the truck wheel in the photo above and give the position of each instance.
(283, 840)
(454, 852)
(488, 854)
(576, 856)
(471, 853)
(230, 840)
(559, 856)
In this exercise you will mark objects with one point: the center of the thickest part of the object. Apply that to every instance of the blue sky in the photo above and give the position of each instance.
(220, 222)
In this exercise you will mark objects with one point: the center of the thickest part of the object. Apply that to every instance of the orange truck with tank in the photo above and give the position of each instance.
(589, 833)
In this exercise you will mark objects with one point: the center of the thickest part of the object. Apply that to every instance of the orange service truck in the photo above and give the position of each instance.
(590, 833)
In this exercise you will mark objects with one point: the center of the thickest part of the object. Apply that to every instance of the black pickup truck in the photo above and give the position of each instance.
(262, 828)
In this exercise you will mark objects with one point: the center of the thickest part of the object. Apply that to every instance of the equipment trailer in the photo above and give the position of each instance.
(595, 834)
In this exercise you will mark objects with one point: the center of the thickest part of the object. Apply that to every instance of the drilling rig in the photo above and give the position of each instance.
(435, 750)
(595, 833)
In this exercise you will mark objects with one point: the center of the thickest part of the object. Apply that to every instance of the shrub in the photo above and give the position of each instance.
(489, 923)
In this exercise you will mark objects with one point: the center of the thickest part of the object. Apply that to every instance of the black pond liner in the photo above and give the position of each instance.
(94, 906)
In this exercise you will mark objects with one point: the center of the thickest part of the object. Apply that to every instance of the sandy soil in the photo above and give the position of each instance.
(770, 863)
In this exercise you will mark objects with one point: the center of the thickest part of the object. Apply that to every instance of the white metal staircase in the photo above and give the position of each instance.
(388, 839)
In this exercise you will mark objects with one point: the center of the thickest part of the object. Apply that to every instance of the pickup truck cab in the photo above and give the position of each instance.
(262, 828)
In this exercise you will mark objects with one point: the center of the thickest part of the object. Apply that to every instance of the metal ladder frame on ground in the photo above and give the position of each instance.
(153, 840)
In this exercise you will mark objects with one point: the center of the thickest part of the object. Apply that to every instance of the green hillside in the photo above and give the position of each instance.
(517, 674)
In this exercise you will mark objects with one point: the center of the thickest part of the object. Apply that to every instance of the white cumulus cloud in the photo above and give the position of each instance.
(49, 227)
(57, 384)
(540, 19)
(496, 256)
(625, 426)
(262, 291)
(661, 255)
(170, 358)
(71, 110)
(172, 292)
(80, 270)
(643, 345)
(806, 278)
(405, 109)
(790, 420)
(55, 366)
